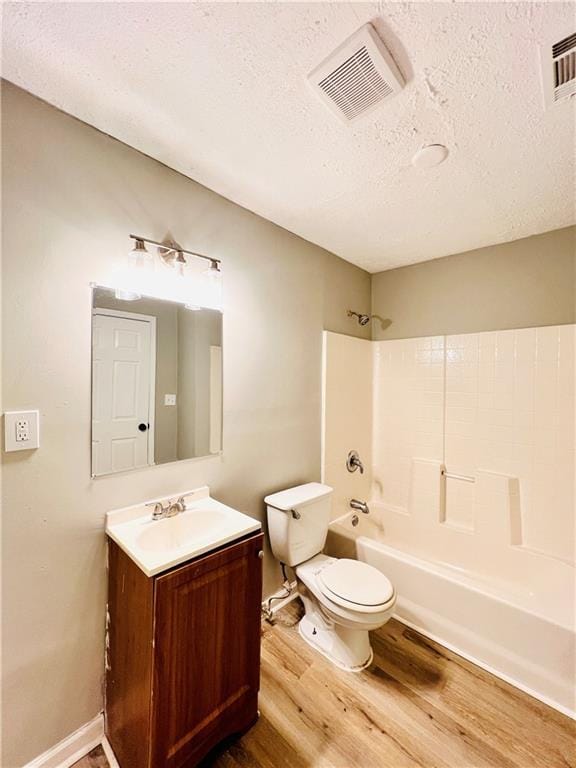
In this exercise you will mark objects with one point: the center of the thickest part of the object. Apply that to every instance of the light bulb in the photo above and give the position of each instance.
(213, 272)
(179, 264)
(139, 256)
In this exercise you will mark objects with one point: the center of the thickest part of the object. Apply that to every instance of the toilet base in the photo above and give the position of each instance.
(348, 649)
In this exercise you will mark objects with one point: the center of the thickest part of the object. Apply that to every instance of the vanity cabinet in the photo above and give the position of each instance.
(183, 655)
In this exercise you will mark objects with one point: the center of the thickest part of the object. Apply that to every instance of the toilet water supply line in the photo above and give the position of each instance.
(267, 606)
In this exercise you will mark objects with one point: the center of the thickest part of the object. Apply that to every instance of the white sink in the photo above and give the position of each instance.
(157, 545)
(174, 532)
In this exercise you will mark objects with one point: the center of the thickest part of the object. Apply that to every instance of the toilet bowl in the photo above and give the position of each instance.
(343, 599)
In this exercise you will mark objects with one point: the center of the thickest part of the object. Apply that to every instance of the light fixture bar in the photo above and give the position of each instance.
(176, 249)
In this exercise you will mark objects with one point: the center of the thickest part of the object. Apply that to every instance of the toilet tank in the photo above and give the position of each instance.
(298, 521)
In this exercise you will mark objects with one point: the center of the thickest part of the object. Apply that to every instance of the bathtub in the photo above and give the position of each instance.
(523, 634)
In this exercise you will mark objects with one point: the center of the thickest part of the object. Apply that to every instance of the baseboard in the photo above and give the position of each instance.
(109, 753)
(73, 747)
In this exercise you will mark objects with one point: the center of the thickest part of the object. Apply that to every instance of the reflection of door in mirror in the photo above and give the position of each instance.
(123, 376)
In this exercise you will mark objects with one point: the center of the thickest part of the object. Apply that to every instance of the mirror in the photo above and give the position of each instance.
(156, 382)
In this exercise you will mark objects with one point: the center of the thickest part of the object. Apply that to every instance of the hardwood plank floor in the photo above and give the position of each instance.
(417, 706)
(95, 759)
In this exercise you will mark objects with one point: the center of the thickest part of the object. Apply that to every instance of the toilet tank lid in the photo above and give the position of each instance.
(298, 496)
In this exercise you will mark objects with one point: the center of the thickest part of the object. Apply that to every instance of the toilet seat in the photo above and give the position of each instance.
(355, 585)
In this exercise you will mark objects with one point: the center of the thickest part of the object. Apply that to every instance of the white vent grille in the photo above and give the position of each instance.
(358, 76)
(559, 69)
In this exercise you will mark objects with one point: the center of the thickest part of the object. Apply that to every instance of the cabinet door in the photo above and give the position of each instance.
(206, 653)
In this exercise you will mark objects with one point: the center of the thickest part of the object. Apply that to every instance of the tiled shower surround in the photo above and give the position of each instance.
(496, 408)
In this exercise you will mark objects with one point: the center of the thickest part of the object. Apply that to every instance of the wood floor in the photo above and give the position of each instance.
(96, 759)
(417, 705)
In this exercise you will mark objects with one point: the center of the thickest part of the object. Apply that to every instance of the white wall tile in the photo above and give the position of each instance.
(498, 406)
(408, 414)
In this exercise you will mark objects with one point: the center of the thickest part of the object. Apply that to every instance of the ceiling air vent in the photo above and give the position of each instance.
(358, 76)
(559, 69)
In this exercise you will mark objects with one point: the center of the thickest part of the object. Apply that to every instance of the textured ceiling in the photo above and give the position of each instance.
(218, 91)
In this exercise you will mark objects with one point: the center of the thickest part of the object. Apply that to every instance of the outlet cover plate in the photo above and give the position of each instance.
(18, 424)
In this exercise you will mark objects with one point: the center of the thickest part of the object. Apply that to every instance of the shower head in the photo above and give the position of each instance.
(362, 319)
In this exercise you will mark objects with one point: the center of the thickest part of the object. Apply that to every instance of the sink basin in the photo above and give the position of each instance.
(158, 545)
(178, 531)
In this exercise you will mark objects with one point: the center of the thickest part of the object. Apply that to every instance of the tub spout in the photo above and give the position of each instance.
(361, 506)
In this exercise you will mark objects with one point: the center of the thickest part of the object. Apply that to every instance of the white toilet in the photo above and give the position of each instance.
(343, 599)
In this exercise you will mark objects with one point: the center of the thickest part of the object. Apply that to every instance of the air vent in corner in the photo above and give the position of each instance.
(358, 76)
(559, 69)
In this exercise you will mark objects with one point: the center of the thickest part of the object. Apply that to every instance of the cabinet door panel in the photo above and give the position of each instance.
(207, 653)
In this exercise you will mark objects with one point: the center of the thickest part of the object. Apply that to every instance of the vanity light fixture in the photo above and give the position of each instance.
(169, 272)
(172, 253)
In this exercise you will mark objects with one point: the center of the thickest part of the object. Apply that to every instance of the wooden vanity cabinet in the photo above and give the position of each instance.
(183, 655)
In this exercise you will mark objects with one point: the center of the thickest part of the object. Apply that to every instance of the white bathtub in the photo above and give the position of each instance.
(523, 634)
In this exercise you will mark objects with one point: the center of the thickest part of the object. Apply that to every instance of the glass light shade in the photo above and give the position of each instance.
(139, 258)
(179, 265)
(213, 272)
(212, 279)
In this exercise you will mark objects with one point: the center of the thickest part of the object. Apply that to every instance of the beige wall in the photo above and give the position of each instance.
(522, 284)
(71, 195)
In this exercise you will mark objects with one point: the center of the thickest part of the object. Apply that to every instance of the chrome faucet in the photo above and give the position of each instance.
(353, 462)
(167, 508)
(361, 506)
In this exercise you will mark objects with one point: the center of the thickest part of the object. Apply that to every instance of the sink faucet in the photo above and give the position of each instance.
(167, 508)
(361, 506)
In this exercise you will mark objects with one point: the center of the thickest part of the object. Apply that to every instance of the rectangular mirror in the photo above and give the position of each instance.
(156, 382)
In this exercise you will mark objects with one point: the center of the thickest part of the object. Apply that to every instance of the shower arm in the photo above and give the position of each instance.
(362, 319)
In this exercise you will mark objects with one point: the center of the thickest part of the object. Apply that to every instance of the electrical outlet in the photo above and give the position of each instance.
(21, 430)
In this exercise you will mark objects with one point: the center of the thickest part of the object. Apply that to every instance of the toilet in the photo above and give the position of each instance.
(343, 599)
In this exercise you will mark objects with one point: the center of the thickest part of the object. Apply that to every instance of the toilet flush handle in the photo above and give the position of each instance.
(294, 512)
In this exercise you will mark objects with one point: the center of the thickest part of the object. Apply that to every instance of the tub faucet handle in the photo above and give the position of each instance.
(353, 462)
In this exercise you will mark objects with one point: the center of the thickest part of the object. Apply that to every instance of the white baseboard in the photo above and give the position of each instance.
(73, 747)
(109, 754)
